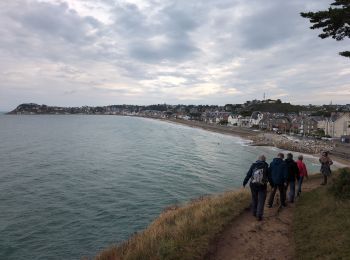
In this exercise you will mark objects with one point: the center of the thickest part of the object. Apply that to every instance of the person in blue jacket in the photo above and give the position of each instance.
(258, 176)
(277, 174)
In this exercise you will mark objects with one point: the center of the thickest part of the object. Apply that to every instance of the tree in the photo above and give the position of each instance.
(334, 22)
(246, 113)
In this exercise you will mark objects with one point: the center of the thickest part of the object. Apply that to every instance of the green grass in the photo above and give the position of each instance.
(182, 233)
(340, 187)
(322, 224)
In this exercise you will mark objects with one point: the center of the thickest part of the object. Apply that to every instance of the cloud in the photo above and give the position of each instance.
(156, 36)
(75, 52)
(58, 22)
(271, 24)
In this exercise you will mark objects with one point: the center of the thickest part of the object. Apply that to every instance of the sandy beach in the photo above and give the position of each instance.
(234, 130)
(261, 138)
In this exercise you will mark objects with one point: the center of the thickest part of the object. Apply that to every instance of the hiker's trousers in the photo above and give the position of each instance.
(282, 190)
(291, 193)
(258, 199)
(300, 182)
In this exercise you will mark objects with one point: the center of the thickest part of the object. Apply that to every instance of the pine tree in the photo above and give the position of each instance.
(334, 22)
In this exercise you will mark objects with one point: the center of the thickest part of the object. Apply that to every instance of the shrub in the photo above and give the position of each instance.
(340, 187)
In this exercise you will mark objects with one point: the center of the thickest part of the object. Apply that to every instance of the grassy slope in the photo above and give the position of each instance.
(182, 233)
(322, 226)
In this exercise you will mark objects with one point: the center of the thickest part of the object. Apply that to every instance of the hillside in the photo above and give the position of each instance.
(222, 228)
(274, 108)
(182, 232)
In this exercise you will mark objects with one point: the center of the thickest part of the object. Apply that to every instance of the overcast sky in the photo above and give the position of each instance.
(101, 52)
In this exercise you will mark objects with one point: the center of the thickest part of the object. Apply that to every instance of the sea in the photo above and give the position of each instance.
(72, 185)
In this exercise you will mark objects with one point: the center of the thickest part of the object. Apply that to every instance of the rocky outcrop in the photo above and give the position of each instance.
(293, 144)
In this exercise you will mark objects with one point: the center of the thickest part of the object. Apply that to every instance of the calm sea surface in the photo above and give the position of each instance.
(72, 185)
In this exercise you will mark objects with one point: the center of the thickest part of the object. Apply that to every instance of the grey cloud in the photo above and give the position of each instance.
(39, 30)
(170, 22)
(130, 21)
(57, 21)
(175, 50)
(70, 92)
(178, 21)
(269, 39)
(270, 25)
(275, 22)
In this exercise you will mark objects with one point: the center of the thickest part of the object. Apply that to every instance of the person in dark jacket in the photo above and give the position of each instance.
(278, 172)
(326, 163)
(258, 176)
(292, 177)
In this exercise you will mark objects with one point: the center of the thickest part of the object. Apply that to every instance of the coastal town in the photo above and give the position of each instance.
(309, 129)
(328, 121)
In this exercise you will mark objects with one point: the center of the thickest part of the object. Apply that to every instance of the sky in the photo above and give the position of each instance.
(103, 52)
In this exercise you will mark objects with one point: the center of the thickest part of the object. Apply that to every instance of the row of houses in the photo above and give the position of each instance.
(335, 126)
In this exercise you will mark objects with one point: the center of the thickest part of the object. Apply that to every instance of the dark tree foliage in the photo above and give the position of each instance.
(158, 107)
(322, 113)
(246, 113)
(334, 22)
(276, 108)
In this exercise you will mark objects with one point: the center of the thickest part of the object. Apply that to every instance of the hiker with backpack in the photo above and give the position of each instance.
(257, 175)
(277, 175)
(292, 177)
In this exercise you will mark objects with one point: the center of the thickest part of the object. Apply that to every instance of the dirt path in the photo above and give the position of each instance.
(271, 238)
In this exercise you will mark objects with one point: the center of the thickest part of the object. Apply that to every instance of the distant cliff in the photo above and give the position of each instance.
(158, 110)
(34, 109)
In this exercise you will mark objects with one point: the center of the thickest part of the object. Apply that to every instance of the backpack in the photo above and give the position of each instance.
(259, 175)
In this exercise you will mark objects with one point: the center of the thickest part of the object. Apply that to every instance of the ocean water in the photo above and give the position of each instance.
(72, 185)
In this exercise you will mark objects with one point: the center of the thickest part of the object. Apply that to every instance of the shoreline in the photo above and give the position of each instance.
(252, 135)
(248, 135)
(243, 133)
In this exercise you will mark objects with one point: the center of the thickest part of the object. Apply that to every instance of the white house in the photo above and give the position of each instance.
(233, 119)
(255, 119)
(322, 124)
(238, 120)
(338, 126)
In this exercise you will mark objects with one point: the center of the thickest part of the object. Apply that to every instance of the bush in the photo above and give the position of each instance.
(340, 187)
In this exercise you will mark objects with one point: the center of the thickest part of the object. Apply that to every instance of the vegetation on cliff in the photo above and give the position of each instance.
(182, 232)
(322, 223)
(340, 187)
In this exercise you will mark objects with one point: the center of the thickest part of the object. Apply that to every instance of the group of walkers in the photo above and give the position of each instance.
(282, 175)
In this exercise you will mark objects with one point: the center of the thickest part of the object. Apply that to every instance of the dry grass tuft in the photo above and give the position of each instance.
(182, 232)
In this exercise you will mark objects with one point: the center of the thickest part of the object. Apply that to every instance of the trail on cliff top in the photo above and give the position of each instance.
(272, 238)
